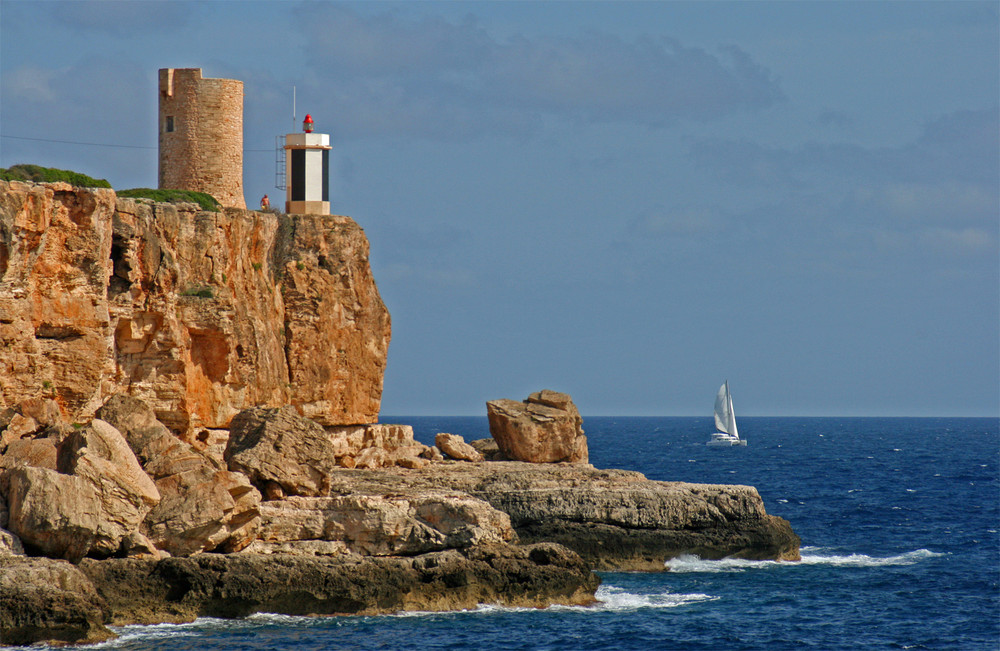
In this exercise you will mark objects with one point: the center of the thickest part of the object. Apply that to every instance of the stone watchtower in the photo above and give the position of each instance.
(201, 135)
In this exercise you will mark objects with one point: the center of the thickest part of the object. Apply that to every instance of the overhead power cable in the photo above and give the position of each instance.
(75, 142)
(104, 144)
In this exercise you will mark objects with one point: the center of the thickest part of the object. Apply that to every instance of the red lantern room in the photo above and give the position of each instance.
(307, 124)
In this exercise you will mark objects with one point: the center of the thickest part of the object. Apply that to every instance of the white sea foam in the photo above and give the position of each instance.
(810, 556)
(482, 608)
(609, 599)
(129, 634)
(275, 618)
(692, 563)
(617, 599)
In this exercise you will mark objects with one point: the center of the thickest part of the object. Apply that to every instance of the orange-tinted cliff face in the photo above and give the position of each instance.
(199, 314)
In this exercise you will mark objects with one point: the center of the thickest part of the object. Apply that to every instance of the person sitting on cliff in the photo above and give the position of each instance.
(265, 203)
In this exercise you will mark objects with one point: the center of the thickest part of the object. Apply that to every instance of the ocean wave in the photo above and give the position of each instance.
(609, 599)
(128, 634)
(810, 556)
(615, 599)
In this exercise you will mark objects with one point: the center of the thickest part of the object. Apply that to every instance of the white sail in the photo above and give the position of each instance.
(723, 409)
(732, 414)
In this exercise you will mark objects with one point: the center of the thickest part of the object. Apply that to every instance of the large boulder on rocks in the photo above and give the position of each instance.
(18, 427)
(545, 428)
(51, 601)
(376, 445)
(455, 447)
(277, 446)
(100, 455)
(383, 525)
(284, 453)
(31, 418)
(204, 509)
(56, 515)
(38, 453)
(202, 505)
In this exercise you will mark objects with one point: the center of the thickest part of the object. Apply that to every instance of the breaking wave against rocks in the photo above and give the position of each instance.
(810, 556)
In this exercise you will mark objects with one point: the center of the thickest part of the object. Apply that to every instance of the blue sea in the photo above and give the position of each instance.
(899, 521)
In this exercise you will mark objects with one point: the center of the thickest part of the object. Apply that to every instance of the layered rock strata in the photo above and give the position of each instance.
(49, 600)
(382, 525)
(615, 519)
(236, 585)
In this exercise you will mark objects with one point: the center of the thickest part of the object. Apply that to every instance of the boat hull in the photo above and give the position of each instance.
(723, 440)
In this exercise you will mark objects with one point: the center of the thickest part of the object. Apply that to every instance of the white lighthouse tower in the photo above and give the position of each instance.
(307, 168)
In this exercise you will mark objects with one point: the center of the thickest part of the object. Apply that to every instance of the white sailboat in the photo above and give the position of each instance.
(725, 420)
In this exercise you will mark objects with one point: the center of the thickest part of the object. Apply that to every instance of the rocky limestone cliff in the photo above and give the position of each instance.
(199, 314)
(234, 363)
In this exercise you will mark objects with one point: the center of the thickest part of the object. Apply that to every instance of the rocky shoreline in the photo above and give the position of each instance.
(189, 427)
(53, 601)
(614, 519)
(444, 534)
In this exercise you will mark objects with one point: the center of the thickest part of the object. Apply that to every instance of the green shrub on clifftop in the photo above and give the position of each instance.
(204, 200)
(40, 174)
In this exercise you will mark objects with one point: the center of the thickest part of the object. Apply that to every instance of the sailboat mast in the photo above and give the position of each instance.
(732, 413)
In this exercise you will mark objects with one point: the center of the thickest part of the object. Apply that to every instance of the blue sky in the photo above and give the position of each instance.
(628, 202)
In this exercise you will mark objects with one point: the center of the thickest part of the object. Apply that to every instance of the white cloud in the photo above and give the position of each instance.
(439, 79)
(949, 201)
(951, 242)
(123, 18)
(30, 84)
(958, 242)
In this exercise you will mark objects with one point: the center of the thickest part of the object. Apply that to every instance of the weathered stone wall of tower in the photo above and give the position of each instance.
(201, 135)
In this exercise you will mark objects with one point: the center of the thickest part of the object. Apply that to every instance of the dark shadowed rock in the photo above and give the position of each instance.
(237, 585)
(489, 449)
(46, 600)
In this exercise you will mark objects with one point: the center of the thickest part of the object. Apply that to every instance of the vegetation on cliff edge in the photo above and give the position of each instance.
(40, 174)
(203, 199)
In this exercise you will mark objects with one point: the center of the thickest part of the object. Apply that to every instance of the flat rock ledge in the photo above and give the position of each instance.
(145, 591)
(616, 520)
